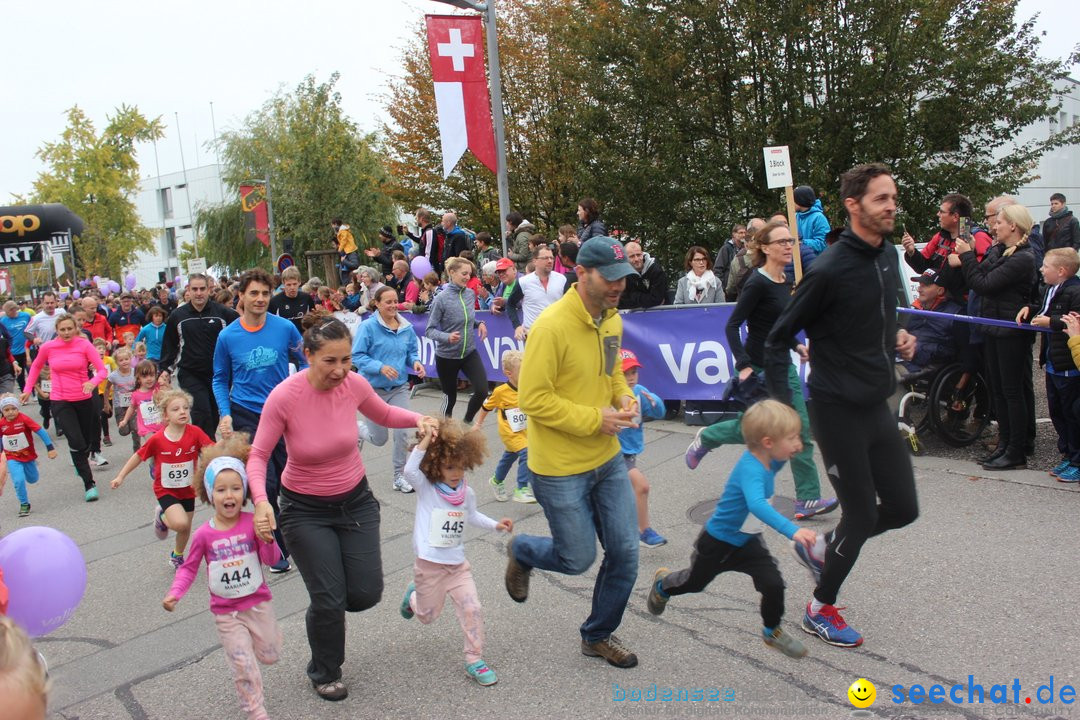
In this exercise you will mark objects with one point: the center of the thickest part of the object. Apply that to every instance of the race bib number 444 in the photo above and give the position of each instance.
(236, 577)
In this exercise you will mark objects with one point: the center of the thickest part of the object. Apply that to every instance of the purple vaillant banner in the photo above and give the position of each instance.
(683, 350)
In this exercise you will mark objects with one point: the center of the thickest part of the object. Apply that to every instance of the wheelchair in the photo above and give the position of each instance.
(947, 400)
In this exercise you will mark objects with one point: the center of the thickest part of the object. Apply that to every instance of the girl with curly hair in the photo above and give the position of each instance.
(445, 505)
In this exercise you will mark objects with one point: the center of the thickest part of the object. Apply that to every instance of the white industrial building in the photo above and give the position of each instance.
(167, 205)
(1058, 170)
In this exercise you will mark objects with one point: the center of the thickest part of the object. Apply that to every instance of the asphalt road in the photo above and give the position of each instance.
(983, 585)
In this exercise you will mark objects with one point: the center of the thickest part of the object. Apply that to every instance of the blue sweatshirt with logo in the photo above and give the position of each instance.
(377, 345)
(747, 493)
(248, 363)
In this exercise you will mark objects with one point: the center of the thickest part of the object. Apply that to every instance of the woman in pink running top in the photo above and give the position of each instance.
(69, 356)
(329, 516)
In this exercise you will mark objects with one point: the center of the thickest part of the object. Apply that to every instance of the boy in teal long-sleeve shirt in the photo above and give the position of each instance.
(731, 540)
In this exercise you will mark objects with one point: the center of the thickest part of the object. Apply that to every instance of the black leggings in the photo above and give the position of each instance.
(712, 557)
(1008, 370)
(78, 420)
(204, 409)
(871, 473)
(448, 368)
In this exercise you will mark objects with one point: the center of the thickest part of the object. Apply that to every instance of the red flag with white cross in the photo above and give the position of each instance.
(455, 46)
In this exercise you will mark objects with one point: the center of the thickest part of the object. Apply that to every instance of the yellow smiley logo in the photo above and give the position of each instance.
(862, 693)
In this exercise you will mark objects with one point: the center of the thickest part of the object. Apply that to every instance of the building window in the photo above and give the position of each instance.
(165, 202)
(1064, 121)
(1076, 119)
(170, 242)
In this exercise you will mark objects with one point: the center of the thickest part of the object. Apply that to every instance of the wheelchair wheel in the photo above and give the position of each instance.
(959, 415)
(914, 419)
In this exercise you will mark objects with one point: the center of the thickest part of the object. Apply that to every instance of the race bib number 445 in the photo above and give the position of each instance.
(447, 528)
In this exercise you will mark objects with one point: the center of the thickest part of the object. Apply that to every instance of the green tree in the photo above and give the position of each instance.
(540, 108)
(684, 94)
(320, 166)
(97, 176)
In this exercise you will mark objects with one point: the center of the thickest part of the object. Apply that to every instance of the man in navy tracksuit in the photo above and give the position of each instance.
(846, 303)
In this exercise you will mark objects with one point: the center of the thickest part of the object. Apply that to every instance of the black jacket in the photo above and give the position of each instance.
(385, 258)
(846, 303)
(1004, 285)
(646, 290)
(1061, 230)
(723, 265)
(190, 338)
(1055, 344)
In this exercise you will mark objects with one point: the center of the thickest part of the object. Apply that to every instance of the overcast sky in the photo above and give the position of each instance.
(177, 58)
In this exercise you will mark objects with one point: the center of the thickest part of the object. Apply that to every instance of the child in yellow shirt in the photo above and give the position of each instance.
(504, 400)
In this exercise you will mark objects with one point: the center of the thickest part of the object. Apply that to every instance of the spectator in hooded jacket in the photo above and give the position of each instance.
(1061, 229)
(519, 231)
(589, 222)
(727, 254)
(810, 218)
(385, 256)
(649, 287)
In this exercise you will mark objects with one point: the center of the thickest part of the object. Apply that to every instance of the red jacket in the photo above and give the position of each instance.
(99, 327)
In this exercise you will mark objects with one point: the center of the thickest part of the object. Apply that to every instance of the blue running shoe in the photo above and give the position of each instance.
(406, 608)
(830, 627)
(481, 673)
(651, 538)
(1070, 474)
(1060, 468)
(818, 506)
(810, 562)
(696, 451)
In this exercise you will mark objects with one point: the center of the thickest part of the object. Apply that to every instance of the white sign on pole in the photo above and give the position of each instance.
(778, 166)
(196, 265)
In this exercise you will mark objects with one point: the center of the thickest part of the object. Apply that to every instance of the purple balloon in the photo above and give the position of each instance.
(129, 282)
(114, 287)
(420, 267)
(75, 294)
(64, 295)
(84, 283)
(97, 279)
(46, 577)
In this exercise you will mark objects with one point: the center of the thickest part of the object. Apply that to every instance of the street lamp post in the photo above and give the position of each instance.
(488, 8)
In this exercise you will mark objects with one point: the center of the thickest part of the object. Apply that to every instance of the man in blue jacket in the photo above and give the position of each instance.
(812, 224)
(936, 344)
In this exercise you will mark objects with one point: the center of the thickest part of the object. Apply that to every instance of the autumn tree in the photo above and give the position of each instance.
(684, 94)
(320, 166)
(540, 106)
(97, 177)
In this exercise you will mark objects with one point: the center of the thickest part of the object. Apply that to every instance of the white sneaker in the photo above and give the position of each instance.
(402, 485)
(98, 460)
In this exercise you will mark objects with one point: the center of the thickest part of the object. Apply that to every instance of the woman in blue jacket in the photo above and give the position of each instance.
(385, 352)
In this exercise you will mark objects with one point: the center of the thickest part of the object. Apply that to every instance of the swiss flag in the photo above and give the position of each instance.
(456, 49)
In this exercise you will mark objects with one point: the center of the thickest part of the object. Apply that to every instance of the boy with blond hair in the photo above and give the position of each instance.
(731, 540)
(1062, 297)
(504, 400)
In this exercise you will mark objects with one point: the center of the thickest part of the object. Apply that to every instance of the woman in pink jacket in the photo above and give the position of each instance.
(69, 356)
(329, 516)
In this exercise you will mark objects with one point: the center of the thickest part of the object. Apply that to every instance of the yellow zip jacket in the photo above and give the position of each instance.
(345, 240)
(571, 371)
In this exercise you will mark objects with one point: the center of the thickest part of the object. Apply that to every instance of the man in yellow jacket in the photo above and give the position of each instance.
(570, 386)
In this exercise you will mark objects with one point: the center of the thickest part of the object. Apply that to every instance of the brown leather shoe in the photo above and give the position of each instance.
(517, 577)
(612, 650)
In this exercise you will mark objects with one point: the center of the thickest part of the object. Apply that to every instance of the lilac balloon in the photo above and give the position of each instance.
(46, 577)
(64, 294)
(129, 282)
(75, 294)
(84, 283)
(114, 287)
(420, 267)
(97, 279)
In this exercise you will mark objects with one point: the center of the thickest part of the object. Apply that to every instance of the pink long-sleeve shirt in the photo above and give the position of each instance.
(234, 560)
(68, 362)
(320, 431)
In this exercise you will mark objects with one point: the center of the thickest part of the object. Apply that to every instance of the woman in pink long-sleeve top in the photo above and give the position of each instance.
(69, 356)
(329, 516)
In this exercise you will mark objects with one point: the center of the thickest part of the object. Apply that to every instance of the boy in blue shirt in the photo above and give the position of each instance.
(731, 540)
(632, 441)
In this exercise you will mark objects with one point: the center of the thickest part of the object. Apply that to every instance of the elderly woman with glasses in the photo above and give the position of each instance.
(699, 285)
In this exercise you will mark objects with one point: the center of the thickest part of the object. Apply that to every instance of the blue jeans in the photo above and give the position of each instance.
(22, 473)
(507, 461)
(599, 501)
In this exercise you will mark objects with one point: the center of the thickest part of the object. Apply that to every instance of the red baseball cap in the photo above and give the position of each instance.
(629, 360)
(504, 264)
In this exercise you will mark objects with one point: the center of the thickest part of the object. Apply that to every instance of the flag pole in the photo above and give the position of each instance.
(270, 222)
(497, 119)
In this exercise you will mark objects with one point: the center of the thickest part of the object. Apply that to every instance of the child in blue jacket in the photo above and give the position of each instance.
(632, 441)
